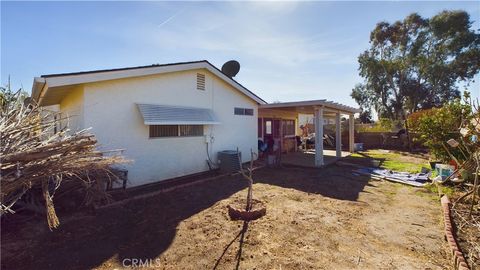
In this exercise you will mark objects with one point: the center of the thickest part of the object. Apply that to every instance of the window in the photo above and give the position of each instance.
(158, 131)
(268, 127)
(242, 111)
(288, 127)
(163, 131)
(191, 130)
(200, 81)
(239, 111)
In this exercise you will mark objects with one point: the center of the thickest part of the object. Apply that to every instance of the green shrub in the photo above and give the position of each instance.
(441, 124)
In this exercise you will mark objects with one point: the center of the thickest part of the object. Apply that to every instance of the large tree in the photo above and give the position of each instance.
(417, 63)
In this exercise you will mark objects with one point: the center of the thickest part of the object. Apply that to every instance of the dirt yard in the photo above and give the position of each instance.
(316, 219)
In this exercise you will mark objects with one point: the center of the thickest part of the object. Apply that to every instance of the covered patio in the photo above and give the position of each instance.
(279, 122)
(307, 158)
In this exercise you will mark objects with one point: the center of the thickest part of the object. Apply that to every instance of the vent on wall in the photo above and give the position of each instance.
(200, 81)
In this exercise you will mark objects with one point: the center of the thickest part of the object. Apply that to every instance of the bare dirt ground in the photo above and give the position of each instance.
(316, 219)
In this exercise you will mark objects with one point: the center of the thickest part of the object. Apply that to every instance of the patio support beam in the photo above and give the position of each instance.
(338, 135)
(319, 136)
(351, 125)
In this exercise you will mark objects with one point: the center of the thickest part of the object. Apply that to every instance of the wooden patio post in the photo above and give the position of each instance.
(318, 136)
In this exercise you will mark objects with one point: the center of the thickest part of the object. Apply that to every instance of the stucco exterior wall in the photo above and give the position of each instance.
(280, 114)
(110, 109)
(72, 109)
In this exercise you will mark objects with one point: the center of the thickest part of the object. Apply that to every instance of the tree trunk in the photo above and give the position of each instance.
(249, 179)
(407, 132)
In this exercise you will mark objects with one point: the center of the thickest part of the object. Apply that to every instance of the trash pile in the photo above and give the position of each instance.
(412, 179)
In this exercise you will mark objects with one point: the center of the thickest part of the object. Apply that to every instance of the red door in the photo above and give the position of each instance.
(271, 131)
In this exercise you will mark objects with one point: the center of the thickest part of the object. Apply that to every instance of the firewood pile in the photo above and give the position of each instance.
(36, 154)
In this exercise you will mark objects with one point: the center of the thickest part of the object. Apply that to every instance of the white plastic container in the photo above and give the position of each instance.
(271, 160)
(357, 147)
(444, 170)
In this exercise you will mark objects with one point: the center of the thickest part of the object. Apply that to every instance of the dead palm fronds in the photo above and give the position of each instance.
(35, 154)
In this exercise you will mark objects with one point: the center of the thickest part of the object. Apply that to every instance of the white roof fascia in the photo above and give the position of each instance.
(65, 80)
(321, 102)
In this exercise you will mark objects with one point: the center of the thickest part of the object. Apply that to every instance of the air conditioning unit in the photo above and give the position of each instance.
(229, 161)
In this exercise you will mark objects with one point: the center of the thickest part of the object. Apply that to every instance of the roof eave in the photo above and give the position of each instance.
(58, 80)
(321, 102)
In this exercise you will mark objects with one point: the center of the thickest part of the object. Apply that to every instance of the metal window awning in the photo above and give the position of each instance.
(175, 115)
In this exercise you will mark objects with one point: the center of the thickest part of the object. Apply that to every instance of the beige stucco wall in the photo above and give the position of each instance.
(110, 109)
(72, 109)
(280, 114)
(273, 113)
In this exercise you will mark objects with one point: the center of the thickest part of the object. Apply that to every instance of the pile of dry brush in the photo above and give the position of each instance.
(466, 179)
(35, 155)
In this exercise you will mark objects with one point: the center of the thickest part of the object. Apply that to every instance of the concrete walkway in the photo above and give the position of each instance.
(307, 158)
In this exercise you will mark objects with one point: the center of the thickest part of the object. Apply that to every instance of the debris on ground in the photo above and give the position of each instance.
(412, 179)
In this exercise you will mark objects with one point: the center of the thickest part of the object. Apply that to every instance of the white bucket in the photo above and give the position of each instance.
(271, 159)
(357, 147)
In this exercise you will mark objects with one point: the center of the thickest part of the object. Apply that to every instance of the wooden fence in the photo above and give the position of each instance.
(386, 140)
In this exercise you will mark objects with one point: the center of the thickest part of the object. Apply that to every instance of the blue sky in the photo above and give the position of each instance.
(287, 50)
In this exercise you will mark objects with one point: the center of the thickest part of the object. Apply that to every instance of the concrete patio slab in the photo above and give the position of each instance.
(307, 158)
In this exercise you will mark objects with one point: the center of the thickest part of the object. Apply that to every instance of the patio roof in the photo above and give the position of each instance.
(308, 106)
(321, 109)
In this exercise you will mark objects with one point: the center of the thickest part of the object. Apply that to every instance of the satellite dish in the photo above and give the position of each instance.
(231, 68)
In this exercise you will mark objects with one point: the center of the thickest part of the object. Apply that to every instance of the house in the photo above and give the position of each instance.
(171, 118)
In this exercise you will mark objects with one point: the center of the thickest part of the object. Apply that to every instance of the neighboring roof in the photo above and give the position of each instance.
(175, 115)
(310, 104)
(43, 83)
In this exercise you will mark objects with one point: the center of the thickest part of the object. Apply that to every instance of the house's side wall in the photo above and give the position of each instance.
(72, 109)
(235, 131)
(111, 111)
